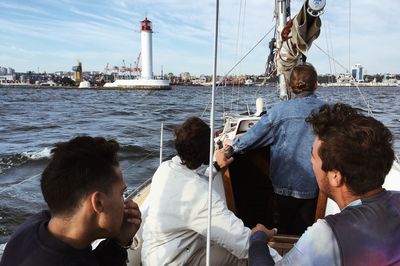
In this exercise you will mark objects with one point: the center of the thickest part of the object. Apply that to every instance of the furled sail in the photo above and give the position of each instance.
(295, 37)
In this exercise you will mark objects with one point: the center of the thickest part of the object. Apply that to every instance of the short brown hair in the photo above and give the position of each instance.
(303, 78)
(358, 146)
(192, 142)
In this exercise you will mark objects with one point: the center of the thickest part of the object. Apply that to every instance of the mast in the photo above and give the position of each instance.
(281, 17)
(212, 118)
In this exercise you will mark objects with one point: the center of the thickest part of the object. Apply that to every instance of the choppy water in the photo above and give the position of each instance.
(32, 120)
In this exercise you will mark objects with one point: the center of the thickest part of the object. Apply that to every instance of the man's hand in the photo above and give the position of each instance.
(228, 149)
(131, 222)
(221, 158)
(262, 228)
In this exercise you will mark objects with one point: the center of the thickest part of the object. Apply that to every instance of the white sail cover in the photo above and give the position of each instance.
(297, 38)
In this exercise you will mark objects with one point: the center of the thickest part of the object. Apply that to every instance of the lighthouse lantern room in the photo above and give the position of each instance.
(145, 25)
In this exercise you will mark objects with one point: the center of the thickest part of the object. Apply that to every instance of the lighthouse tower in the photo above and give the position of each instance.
(147, 50)
(146, 81)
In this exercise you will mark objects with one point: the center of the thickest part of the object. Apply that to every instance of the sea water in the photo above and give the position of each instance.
(32, 120)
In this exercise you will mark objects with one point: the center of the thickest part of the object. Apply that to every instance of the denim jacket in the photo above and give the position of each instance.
(290, 139)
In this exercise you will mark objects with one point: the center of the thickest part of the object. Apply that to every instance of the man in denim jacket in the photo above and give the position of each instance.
(290, 138)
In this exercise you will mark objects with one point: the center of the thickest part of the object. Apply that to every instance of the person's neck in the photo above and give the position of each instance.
(304, 94)
(345, 198)
(71, 231)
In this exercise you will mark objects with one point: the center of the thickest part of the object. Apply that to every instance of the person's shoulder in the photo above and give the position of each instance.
(317, 246)
(32, 222)
(318, 232)
(394, 193)
(25, 238)
(275, 110)
(319, 227)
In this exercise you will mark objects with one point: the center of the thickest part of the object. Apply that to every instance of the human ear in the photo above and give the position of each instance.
(335, 178)
(97, 201)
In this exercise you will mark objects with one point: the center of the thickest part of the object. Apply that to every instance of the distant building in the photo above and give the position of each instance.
(62, 73)
(7, 74)
(3, 71)
(357, 72)
(389, 79)
(7, 71)
(10, 71)
(77, 75)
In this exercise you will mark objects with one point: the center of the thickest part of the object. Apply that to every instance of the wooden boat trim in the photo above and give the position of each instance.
(230, 200)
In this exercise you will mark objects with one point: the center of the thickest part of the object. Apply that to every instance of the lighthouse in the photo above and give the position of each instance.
(146, 32)
(146, 81)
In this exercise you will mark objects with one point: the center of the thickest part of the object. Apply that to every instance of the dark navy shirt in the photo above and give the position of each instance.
(366, 232)
(33, 245)
(369, 234)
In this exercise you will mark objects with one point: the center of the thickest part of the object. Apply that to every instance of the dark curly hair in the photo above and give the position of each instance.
(303, 78)
(192, 142)
(77, 168)
(358, 146)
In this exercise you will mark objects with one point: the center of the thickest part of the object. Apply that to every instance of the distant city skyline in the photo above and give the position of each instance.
(52, 35)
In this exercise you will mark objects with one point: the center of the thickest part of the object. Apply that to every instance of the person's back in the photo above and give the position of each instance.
(284, 129)
(291, 171)
(176, 225)
(374, 229)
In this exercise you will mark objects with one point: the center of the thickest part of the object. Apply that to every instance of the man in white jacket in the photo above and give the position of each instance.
(176, 226)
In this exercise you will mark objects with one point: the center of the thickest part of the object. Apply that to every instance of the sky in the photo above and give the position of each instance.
(51, 35)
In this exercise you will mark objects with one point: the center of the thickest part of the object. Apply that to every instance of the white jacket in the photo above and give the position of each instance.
(176, 225)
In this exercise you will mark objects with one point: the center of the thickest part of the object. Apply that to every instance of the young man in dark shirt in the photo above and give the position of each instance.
(83, 187)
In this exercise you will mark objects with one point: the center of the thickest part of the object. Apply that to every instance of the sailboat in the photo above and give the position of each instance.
(250, 198)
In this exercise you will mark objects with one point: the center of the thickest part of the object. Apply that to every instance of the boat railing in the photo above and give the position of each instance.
(136, 192)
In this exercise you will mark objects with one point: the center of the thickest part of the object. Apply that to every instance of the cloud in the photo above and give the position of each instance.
(108, 31)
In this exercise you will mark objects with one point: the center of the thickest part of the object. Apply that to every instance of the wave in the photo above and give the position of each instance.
(34, 127)
(45, 153)
(121, 113)
(18, 159)
(134, 151)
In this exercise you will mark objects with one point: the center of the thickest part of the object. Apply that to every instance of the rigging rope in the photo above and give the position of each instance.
(356, 83)
(238, 29)
(333, 59)
(232, 68)
(249, 52)
(327, 46)
(349, 32)
(19, 183)
(365, 101)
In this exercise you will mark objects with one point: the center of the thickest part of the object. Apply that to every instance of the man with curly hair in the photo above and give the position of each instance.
(351, 156)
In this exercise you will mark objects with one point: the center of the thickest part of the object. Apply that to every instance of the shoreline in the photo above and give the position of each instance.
(331, 85)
